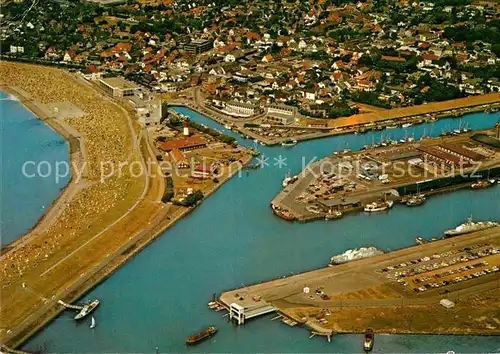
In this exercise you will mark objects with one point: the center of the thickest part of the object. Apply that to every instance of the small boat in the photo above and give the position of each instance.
(416, 200)
(289, 180)
(368, 340)
(481, 184)
(213, 304)
(333, 215)
(87, 309)
(282, 213)
(92, 324)
(379, 206)
(206, 333)
(289, 142)
(420, 240)
(406, 125)
(391, 127)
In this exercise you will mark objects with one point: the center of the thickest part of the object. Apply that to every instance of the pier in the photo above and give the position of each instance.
(69, 306)
(415, 278)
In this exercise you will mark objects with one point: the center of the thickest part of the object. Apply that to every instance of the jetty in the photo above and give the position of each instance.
(378, 290)
(70, 306)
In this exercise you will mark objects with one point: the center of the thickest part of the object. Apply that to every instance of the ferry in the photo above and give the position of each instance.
(289, 142)
(355, 254)
(368, 340)
(206, 333)
(87, 309)
(470, 226)
(379, 206)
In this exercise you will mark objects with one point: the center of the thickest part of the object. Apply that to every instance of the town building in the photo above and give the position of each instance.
(281, 114)
(204, 171)
(118, 87)
(198, 46)
(178, 158)
(184, 144)
(240, 109)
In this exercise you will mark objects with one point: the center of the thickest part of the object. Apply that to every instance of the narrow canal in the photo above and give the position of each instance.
(160, 297)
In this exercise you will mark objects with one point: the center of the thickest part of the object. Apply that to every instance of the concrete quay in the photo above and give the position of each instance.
(386, 281)
(348, 181)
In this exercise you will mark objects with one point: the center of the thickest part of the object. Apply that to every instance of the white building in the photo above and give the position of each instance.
(239, 109)
(281, 114)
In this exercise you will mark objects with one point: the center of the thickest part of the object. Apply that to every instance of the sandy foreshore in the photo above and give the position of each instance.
(103, 226)
(77, 159)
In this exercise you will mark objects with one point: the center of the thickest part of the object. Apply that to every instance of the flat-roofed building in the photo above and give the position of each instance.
(281, 114)
(118, 87)
(240, 109)
(198, 46)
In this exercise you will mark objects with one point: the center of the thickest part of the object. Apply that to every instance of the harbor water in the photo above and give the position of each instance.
(233, 239)
(26, 139)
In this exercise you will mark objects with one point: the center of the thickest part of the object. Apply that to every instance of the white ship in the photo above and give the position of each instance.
(470, 226)
(88, 308)
(379, 206)
(355, 254)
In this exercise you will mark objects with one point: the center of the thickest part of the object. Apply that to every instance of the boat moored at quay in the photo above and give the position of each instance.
(470, 226)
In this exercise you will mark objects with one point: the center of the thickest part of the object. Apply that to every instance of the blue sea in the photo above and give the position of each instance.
(233, 239)
(27, 142)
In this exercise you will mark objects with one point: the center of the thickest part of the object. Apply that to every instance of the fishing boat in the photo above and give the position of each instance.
(289, 142)
(420, 240)
(289, 180)
(206, 333)
(282, 213)
(481, 184)
(379, 206)
(333, 214)
(416, 200)
(470, 226)
(92, 323)
(368, 340)
(87, 309)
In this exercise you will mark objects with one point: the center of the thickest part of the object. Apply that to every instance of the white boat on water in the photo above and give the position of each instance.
(289, 142)
(92, 324)
(470, 226)
(352, 255)
(88, 308)
(379, 206)
(406, 125)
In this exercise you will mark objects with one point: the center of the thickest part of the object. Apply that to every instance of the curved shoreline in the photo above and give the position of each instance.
(76, 157)
(161, 221)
